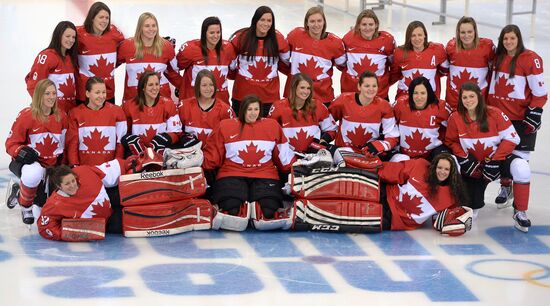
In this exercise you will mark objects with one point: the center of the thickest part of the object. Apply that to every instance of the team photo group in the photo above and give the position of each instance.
(185, 151)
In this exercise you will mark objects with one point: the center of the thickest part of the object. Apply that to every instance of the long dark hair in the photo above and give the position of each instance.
(248, 41)
(309, 107)
(407, 46)
(501, 51)
(92, 12)
(204, 28)
(432, 99)
(454, 181)
(481, 108)
(55, 42)
(244, 106)
(57, 174)
(140, 99)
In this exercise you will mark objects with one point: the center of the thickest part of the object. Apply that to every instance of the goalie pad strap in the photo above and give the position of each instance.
(338, 215)
(226, 221)
(167, 218)
(83, 229)
(325, 183)
(283, 218)
(161, 186)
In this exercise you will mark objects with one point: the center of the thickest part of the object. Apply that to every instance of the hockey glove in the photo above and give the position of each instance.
(171, 40)
(27, 155)
(491, 170)
(315, 146)
(469, 166)
(133, 143)
(532, 119)
(161, 141)
(373, 148)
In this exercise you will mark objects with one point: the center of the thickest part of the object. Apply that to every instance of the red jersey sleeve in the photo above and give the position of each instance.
(510, 138)
(214, 150)
(534, 69)
(18, 134)
(72, 140)
(49, 223)
(396, 173)
(451, 136)
(44, 63)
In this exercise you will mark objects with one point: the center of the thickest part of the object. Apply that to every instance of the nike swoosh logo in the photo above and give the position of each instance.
(286, 123)
(189, 123)
(35, 130)
(462, 135)
(135, 120)
(200, 62)
(85, 51)
(351, 49)
(233, 136)
(298, 49)
(57, 70)
(404, 67)
(132, 59)
(414, 179)
(81, 124)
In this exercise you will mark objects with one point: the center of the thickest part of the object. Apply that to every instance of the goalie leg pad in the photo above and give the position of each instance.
(161, 186)
(282, 219)
(338, 216)
(328, 183)
(454, 221)
(83, 229)
(167, 218)
(238, 223)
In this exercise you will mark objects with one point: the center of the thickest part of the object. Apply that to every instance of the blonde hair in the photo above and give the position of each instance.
(38, 96)
(367, 14)
(465, 20)
(158, 42)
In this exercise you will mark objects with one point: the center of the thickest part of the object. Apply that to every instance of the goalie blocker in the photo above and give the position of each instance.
(331, 182)
(167, 218)
(161, 186)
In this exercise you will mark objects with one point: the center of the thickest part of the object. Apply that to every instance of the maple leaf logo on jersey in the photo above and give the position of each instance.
(463, 77)
(310, 68)
(417, 142)
(411, 203)
(47, 147)
(149, 134)
(148, 68)
(102, 68)
(202, 136)
(301, 141)
(480, 151)
(251, 156)
(101, 209)
(260, 71)
(68, 88)
(219, 77)
(413, 76)
(96, 142)
(365, 65)
(502, 89)
(359, 137)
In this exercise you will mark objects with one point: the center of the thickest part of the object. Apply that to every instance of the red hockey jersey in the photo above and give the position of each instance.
(47, 138)
(420, 131)
(50, 65)
(361, 124)
(97, 57)
(191, 60)
(159, 118)
(259, 75)
(200, 123)
(526, 88)
(165, 65)
(90, 201)
(496, 144)
(94, 135)
(431, 63)
(301, 131)
(468, 66)
(375, 55)
(255, 151)
(408, 194)
(316, 58)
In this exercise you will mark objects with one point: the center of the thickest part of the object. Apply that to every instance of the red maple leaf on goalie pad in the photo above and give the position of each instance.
(310, 68)
(365, 65)
(102, 68)
(359, 137)
(251, 156)
(412, 203)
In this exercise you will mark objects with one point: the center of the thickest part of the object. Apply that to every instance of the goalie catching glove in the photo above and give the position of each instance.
(184, 158)
(454, 221)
